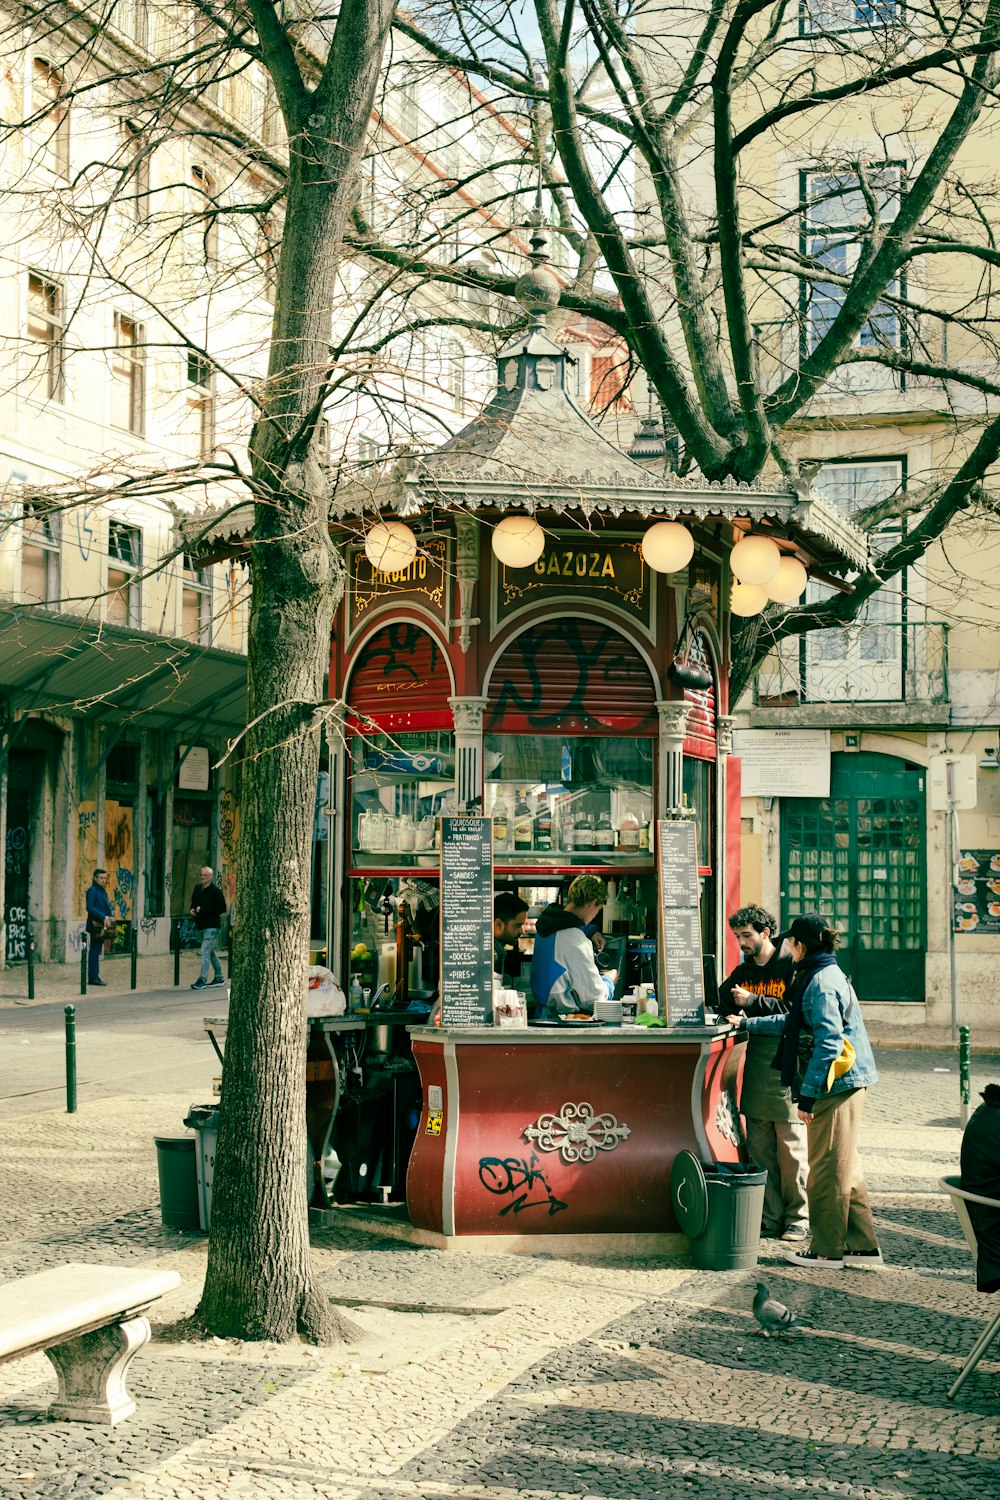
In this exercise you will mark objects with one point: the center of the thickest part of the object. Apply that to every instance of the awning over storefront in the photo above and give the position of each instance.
(58, 663)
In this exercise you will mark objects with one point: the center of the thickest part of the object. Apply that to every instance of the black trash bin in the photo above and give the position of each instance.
(719, 1207)
(178, 1174)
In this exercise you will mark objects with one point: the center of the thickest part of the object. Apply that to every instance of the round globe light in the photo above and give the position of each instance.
(789, 583)
(747, 599)
(667, 547)
(755, 559)
(390, 546)
(518, 541)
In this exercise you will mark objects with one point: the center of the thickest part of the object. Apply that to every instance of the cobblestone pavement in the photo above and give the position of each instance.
(535, 1377)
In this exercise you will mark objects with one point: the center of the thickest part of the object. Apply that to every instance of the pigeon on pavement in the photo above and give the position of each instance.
(772, 1315)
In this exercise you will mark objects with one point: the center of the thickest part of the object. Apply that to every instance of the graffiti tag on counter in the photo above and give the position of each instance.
(512, 1175)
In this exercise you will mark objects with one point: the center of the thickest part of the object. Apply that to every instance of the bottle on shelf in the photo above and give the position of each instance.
(543, 825)
(644, 832)
(567, 825)
(522, 823)
(583, 832)
(501, 821)
(604, 833)
(628, 832)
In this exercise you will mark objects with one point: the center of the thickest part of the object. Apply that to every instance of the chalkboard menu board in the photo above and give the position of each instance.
(680, 984)
(466, 921)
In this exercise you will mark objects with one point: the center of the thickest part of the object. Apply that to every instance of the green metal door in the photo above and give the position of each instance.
(859, 856)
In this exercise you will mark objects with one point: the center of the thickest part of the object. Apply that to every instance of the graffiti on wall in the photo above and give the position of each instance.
(229, 835)
(86, 853)
(119, 857)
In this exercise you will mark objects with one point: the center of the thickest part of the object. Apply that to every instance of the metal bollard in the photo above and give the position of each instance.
(70, 1060)
(134, 951)
(83, 962)
(964, 1073)
(175, 933)
(31, 967)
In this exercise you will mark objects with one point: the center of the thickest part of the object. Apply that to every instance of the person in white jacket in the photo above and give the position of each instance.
(565, 978)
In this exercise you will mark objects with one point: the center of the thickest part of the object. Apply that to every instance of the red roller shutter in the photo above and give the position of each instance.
(400, 678)
(571, 674)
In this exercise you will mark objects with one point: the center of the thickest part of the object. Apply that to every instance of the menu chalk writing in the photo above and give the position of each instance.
(466, 921)
(680, 981)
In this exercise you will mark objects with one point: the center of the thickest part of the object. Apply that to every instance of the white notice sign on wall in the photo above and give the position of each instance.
(784, 762)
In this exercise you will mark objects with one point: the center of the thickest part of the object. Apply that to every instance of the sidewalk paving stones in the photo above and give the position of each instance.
(490, 1377)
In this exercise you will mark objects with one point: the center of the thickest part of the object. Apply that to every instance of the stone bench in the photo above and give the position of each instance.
(88, 1320)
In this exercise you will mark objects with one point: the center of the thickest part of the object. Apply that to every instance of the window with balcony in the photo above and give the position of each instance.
(201, 398)
(134, 188)
(124, 564)
(864, 661)
(40, 553)
(196, 602)
(128, 376)
(132, 19)
(841, 212)
(820, 17)
(46, 337)
(49, 118)
(454, 373)
(205, 216)
(268, 249)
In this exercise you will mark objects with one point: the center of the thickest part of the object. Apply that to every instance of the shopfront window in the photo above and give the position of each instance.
(570, 800)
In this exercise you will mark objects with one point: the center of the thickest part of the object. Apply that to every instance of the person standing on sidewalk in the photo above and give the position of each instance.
(100, 926)
(208, 907)
(776, 1137)
(824, 1014)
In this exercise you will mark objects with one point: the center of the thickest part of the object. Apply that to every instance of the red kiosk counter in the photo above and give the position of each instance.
(565, 1131)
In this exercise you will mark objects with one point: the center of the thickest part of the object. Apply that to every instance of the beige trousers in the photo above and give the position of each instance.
(780, 1148)
(839, 1212)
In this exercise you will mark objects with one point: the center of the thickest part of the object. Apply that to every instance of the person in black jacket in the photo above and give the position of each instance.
(208, 907)
(100, 926)
(981, 1174)
(776, 1139)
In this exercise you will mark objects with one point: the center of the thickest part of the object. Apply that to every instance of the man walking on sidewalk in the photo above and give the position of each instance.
(208, 907)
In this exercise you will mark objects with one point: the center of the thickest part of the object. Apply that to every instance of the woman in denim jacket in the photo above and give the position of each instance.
(824, 1011)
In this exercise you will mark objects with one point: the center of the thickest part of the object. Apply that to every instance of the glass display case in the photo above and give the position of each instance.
(399, 786)
(565, 802)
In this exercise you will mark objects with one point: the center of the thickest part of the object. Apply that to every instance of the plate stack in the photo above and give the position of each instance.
(608, 1011)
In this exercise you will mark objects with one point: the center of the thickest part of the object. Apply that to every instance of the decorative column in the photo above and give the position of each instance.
(468, 714)
(467, 574)
(673, 715)
(338, 815)
(727, 857)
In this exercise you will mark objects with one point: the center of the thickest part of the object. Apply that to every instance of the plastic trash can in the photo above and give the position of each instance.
(203, 1119)
(719, 1207)
(175, 1165)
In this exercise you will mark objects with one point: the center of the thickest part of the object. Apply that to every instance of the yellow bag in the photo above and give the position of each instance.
(841, 1065)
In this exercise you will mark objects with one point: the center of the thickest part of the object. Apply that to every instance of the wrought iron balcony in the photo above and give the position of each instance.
(872, 661)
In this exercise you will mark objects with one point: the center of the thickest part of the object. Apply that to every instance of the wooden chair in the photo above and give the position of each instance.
(960, 1198)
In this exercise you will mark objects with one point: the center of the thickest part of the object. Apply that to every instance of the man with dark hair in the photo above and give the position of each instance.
(777, 1140)
(565, 978)
(509, 916)
(100, 926)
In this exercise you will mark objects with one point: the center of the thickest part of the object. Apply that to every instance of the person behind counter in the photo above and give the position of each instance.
(564, 973)
(509, 916)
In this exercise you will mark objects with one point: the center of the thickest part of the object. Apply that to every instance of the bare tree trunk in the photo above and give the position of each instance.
(260, 1283)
